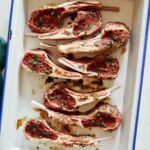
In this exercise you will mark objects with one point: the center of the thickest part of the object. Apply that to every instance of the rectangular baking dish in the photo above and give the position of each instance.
(19, 85)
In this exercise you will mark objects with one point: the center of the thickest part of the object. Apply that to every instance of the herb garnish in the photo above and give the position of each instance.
(111, 45)
(49, 80)
(34, 60)
(40, 22)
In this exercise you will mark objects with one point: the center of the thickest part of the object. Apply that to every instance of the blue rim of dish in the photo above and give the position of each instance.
(6, 62)
(141, 79)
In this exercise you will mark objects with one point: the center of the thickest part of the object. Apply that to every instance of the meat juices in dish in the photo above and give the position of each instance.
(39, 130)
(113, 36)
(105, 116)
(39, 62)
(86, 15)
(60, 97)
(102, 66)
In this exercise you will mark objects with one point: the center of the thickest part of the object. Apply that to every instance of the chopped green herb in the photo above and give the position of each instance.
(85, 33)
(114, 38)
(49, 80)
(40, 22)
(100, 82)
(34, 60)
(33, 129)
(37, 147)
(79, 82)
(98, 123)
(69, 22)
(110, 59)
(111, 45)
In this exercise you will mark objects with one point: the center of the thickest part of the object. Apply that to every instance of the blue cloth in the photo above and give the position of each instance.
(3, 46)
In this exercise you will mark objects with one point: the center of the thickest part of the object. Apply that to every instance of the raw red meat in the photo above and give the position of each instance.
(39, 130)
(39, 62)
(113, 36)
(102, 66)
(105, 116)
(60, 97)
(86, 15)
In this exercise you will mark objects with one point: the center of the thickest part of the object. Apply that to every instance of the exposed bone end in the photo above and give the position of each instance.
(114, 88)
(51, 47)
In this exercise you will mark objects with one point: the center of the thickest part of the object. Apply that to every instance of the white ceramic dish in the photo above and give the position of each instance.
(21, 87)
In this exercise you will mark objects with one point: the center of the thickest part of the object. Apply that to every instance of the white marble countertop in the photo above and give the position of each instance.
(143, 132)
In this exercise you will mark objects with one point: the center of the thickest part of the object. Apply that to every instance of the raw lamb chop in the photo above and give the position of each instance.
(39, 130)
(105, 116)
(113, 36)
(85, 24)
(86, 18)
(39, 62)
(60, 97)
(49, 20)
(102, 66)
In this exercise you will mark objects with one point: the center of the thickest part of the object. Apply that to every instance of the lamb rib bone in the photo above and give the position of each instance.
(38, 61)
(113, 36)
(60, 97)
(106, 117)
(103, 7)
(102, 66)
(39, 130)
